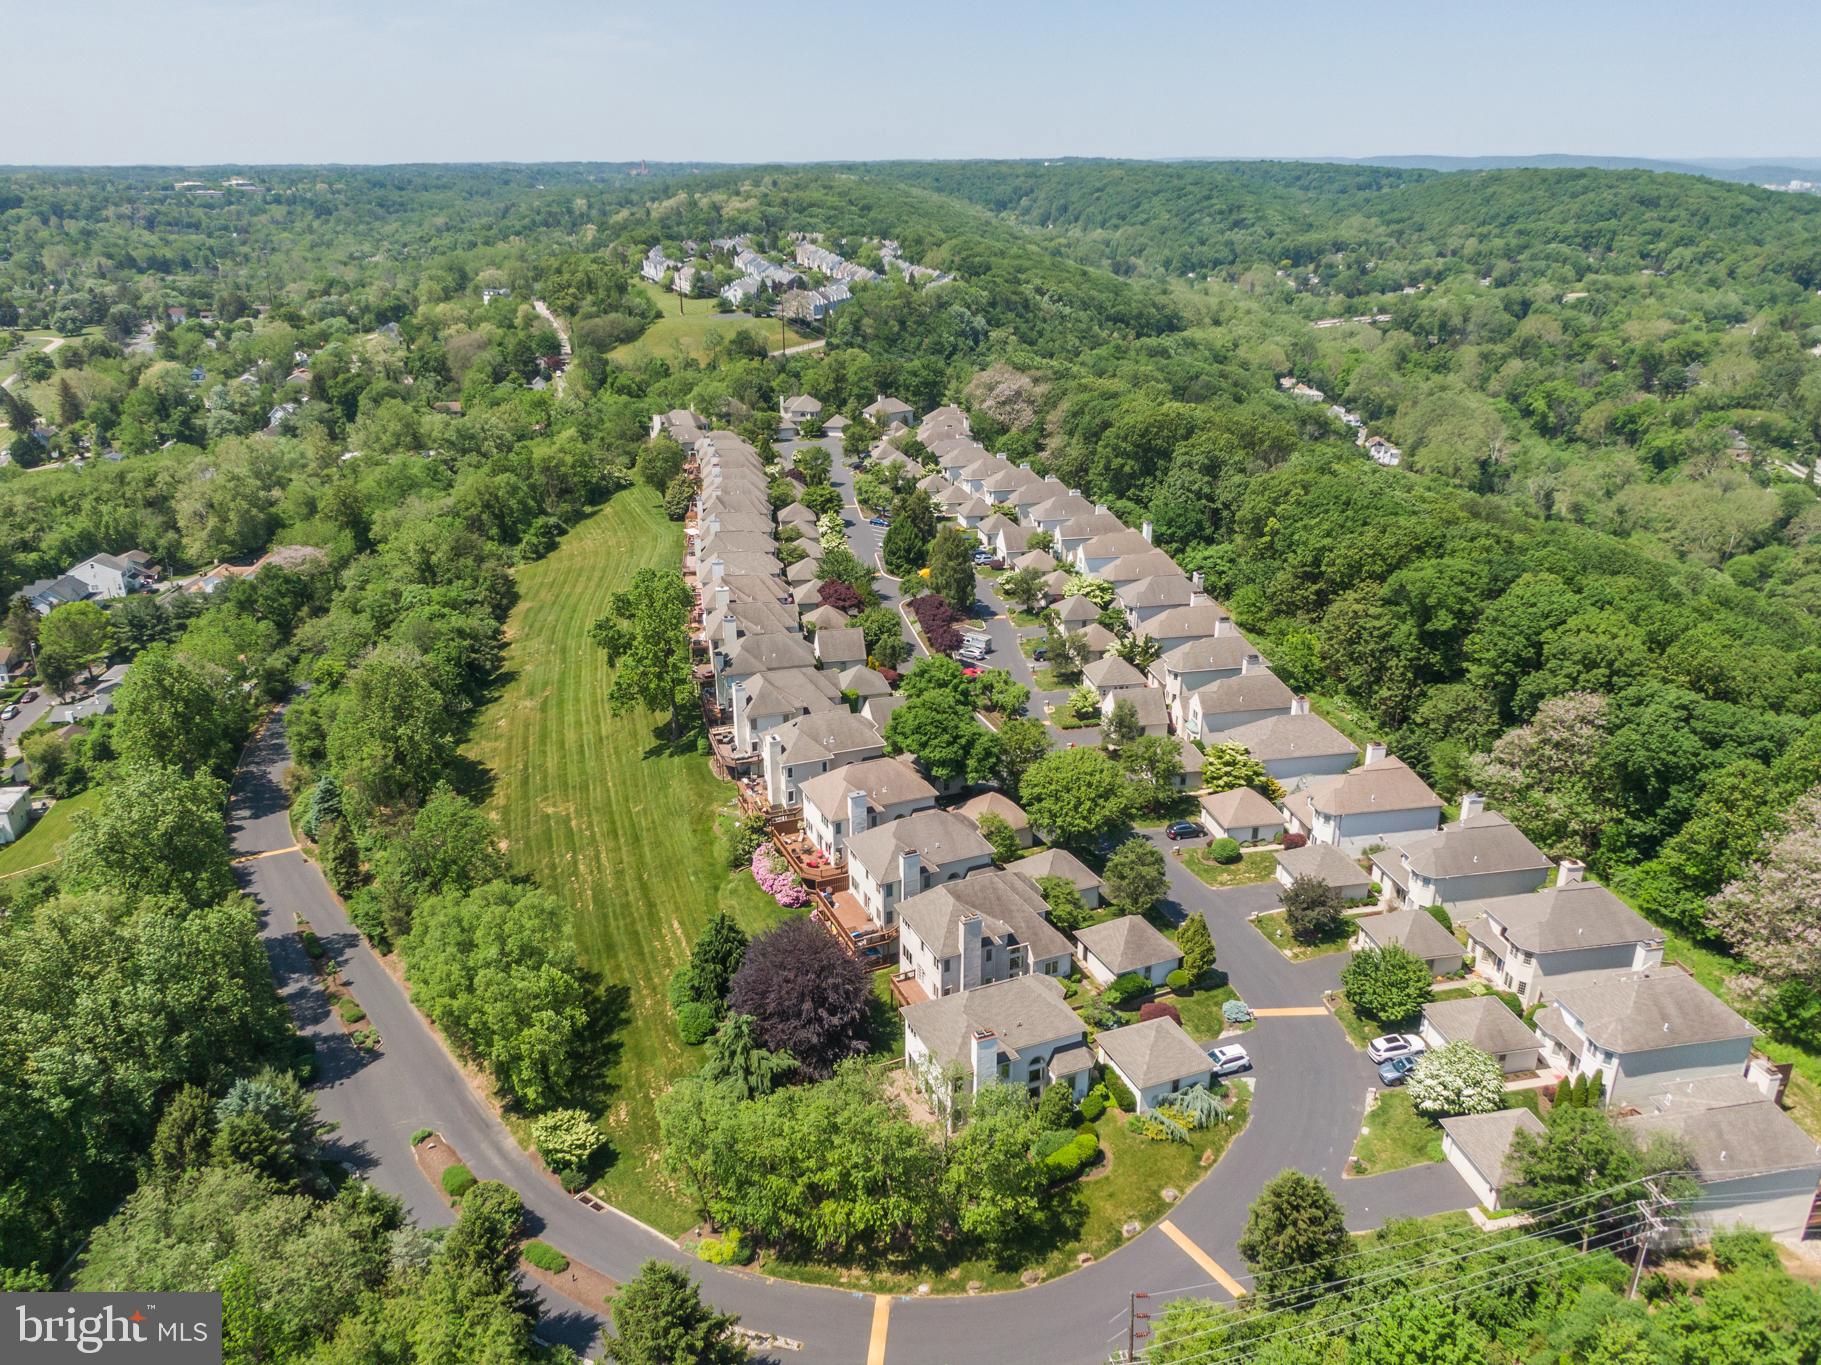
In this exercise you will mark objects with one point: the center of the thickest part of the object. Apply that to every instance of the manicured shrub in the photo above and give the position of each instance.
(1127, 987)
(349, 1009)
(1051, 1141)
(546, 1257)
(1236, 1011)
(1180, 981)
(1071, 1157)
(312, 945)
(1439, 913)
(1389, 985)
(457, 1181)
(732, 1249)
(1225, 851)
(566, 1137)
(573, 1179)
(1094, 1104)
(421, 1134)
(1119, 1093)
(696, 1021)
(1159, 1009)
(1056, 1106)
(1293, 840)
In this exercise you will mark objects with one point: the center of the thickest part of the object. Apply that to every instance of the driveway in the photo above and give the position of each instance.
(30, 713)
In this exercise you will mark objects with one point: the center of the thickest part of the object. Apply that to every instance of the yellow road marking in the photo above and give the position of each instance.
(274, 852)
(1202, 1259)
(1291, 1012)
(882, 1314)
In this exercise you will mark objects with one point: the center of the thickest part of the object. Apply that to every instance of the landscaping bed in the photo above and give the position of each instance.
(1276, 927)
(342, 1004)
(582, 1284)
(1253, 867)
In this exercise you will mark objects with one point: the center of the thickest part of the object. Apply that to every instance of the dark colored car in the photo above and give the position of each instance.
(1184, 829)
(1397, 1070)
(879, 521)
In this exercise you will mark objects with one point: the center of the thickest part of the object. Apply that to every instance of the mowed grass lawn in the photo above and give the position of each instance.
(603, 814)
(38, 845)
(693, 327)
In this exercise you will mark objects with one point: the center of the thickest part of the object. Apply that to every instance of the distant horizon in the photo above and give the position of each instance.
(456, 82)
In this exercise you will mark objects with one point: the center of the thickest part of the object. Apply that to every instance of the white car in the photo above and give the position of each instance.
(9, 713)
(1229, 1059)
(1389, 1045)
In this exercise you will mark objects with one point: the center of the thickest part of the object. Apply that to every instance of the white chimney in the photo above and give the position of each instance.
(1374, 752)
(1100, 507)
(714, 523)
(1299, 706)
(986, 1058)
(774, 769)
(1252, 663)
(910, 873)
(1569, 871)
(1472, 804)
(1224, 626)
(856, 813)
(1195, 580)
(717, 569)
(738, 707)
(971, 932)
(722, 596)
(1145, 531)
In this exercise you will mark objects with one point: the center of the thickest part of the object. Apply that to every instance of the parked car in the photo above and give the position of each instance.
(880, 521)
(1229, 1059)
(1396, 1071)
(1040, 654)
(31, 694)
(9, 713)
(1184, 829)
(982, 558)
(972, 655)
(971, 671)
(1389, 1045)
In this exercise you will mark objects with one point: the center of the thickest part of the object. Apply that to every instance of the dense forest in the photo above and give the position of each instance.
(1591, 590)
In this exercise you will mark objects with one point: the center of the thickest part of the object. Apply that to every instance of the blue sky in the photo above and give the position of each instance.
(213, 81)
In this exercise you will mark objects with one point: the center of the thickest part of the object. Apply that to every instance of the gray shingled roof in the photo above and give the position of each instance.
(1384, 784)
(1112, 671)
(1416, 930)
(1240, 806)
(1483, 843)
(842, 645)
(827, 734)
(1154, 1052)
(1485, 1139)
(1209, 652)
(1026, 1011)
(1642, 1011)
(1126, 944)
(1057, 862)
(1009, 905)
(1259, 690)
(940, 837)
(1561, 918)
(886, 781)
(1281, 737)
(763, 653)
(1483, 1020)
(1731, 1130)
(1324, 862)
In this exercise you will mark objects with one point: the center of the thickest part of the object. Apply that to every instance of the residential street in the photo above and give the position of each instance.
(1309, 1097)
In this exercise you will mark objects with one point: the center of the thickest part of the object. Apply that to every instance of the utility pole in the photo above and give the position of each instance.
(1651, 1226)
(1132, 1318)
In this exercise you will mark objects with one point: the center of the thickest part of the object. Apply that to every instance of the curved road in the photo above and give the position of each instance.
(1310, 1089)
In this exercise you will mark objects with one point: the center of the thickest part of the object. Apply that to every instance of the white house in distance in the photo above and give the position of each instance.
(1478, 1146)
(1379, 802)
(966, 934)
(1015, 1032)
(1128, 944)
(1643, 1031)
(1482, 854)
(1755, 1166)
(885, 410)
(15, 812)
(1155, 1059)
(860, 796)
(1571, 932)
(109, 576)
(891, 862)
(1253, 694)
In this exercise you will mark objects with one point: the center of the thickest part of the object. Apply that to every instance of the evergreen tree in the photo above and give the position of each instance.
(659, 1319)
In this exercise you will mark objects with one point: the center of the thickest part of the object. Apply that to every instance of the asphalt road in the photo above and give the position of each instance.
(1309, 1096)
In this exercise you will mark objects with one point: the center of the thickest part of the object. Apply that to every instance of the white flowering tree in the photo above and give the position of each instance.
(1457, 1078)
(1771, 913)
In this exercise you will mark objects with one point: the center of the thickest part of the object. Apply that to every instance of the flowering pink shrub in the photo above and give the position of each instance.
(775, 880)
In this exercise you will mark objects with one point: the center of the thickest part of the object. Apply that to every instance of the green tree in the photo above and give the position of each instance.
(72, 638)
(646, 636)
(1295, 1239)
(1001, 837)
(1075, 796)
(715, 958)
(1312, 909)
(1153, 765)
(1067, 912)
(1583, 1171)
(659, 461)
(1417, 1327)
(1457, 1078)
(340, 857)
(496, 969)
(186, 1132)
(994, 1187)
(903, 551)
(736, 1060)
(22, 622)
(1228, 766)
(1389, 985)
(1065, 653)
(659, 1319)
(1197, 946)
(1022, 741)
(951, 567)
(393, 737)
(567, 1138)
(1136, 878)
(1122, 725)
(1023, 588)
(945, 735)
(154, 832)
